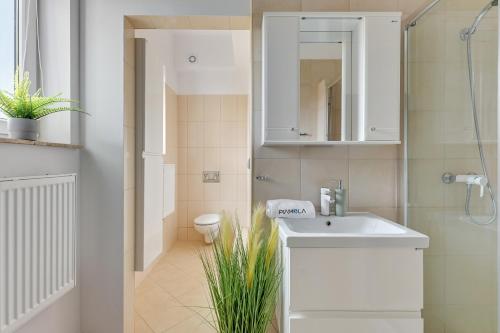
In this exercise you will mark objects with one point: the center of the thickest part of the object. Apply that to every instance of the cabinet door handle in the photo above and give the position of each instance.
(373, 129)
(304, 134)
(262, 178)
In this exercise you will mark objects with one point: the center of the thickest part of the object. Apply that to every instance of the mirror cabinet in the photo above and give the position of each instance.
(331, 78)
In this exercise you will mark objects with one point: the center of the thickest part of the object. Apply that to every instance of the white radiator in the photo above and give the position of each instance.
(37, 245)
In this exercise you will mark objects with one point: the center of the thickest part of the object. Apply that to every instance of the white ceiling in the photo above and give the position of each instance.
(214, 49)
(223, 59)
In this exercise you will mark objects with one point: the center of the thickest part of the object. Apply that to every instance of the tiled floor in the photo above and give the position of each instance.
(173, 298)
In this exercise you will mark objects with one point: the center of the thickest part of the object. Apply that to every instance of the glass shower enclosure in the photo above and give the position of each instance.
(446, 174)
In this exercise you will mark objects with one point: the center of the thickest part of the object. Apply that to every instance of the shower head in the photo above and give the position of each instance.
(466, 33)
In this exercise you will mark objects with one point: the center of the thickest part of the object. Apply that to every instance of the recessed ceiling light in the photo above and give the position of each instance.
(192, 59)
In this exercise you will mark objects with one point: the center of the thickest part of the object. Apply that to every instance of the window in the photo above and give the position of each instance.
(8, 44)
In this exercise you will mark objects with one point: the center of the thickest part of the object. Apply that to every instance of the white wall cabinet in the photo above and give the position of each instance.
(382, 80)
(281, 77)
(362, 50)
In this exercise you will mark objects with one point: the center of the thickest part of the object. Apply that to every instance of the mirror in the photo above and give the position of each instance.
(325, 62)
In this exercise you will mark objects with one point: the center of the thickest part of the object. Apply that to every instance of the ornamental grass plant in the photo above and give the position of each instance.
(244, 275)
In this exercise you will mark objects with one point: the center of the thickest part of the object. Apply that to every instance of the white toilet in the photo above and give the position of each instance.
(208, 226)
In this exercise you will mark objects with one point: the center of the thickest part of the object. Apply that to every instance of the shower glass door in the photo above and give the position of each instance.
(460, 279)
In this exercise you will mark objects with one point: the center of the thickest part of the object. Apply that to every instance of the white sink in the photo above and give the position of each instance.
(360, 230)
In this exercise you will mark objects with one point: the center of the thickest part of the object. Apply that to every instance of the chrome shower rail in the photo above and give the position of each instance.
(420, 14)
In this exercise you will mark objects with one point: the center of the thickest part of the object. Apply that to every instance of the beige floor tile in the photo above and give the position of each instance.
(154, 300)
(197, 300)
(192, 325)
(141, 326)
(161, 320)
(166, 272)
(180, 286)
(174, 297)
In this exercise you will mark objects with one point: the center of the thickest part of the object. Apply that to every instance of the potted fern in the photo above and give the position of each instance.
(23, 109)
(244, 277)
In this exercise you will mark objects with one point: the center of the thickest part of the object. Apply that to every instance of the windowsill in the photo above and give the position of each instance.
(39, 143)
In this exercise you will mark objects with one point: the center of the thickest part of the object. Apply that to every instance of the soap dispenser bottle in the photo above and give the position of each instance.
(340, 194)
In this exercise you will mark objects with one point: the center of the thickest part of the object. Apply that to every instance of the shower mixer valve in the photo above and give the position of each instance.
(469, 180)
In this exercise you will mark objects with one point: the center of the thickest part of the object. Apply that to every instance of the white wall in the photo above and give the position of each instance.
(21, 160)
(59, 59)
(102, 226)
(58, 25)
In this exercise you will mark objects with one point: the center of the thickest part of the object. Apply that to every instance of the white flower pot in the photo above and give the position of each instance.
(23, 129)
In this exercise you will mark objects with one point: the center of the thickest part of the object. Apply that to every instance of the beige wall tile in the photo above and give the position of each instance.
(243, 109)
(276, 5)
(182, 214)
(209, 22)
(212, 108)
(182, 107)
(211, 159)
(195, 134)
(182, 234)
(410, 7)
(474, 285)
(182, 134)
(229, 187)
(231, 135)
(182, 160)
(229, 108)
(211, 191)
(182, 187)
(324, 153)
(372, 183)
(229, 160)
(194, 161)
(212, 134)
(325, 5)
(315, 174)
(195, 108)
(240, 22)
(370, 5)
(195, 187)
(386, 152)
(425, 185)
(284, 179)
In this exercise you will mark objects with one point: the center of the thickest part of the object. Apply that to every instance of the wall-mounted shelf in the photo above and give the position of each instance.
(330, 143)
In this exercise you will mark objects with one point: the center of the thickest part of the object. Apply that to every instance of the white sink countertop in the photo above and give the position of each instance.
(355, 230)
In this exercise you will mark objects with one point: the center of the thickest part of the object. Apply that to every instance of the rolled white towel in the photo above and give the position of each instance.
(290, 209)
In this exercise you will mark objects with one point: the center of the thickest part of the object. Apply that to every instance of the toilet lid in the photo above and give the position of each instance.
(207, 219)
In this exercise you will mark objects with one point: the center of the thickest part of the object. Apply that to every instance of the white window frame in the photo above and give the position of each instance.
(3, 118)
(26, 48)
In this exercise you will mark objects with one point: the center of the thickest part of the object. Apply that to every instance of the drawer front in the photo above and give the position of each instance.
(376, 279)
(356, 325)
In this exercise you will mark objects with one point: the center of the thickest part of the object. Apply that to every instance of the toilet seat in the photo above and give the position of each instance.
(207, 219)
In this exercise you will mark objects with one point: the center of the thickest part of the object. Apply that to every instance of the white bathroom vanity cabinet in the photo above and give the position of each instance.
(359, 273)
